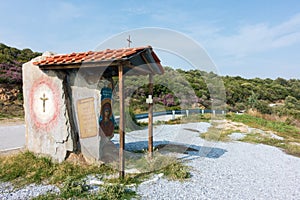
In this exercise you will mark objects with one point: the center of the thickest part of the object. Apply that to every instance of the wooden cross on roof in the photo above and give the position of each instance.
(129, 41)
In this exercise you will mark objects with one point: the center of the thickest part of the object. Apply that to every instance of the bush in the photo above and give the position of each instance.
(263, 107)
(11, 73)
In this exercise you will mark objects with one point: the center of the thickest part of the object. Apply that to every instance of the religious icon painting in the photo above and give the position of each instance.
(106, 120)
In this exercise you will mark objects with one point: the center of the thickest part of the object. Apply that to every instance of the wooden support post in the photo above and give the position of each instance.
(121, 124)
(150, 119)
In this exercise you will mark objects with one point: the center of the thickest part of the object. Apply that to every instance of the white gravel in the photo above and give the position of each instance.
(8, 192)
(233, 170)
(237, 136)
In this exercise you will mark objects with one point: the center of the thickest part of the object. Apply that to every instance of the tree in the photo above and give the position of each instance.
(291, 103)
(252, 100)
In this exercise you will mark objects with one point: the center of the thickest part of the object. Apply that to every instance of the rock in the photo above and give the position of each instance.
(237, 136)
(5, 108)
(276, 136)
(294, 143)
(48, 53)
(18, 102)
(132, 171)
(76, 159)
(256, 130)
(9, 92)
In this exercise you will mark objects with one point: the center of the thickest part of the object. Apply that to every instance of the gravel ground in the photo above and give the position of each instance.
(232, 170)
(30, 191)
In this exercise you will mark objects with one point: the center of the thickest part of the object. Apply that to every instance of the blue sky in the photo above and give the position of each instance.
(245, 38)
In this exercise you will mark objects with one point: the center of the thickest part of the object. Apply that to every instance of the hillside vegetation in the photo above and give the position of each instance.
(11, 60)
(179, 89)
(279, 97)
(11, 97)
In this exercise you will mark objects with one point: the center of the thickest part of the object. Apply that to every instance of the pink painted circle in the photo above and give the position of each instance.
(43, 103)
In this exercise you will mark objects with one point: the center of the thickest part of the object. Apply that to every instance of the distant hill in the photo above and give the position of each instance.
(11, 55)
(173, 89)
(11, 60)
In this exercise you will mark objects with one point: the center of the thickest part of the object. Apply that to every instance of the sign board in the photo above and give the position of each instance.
(87, 118)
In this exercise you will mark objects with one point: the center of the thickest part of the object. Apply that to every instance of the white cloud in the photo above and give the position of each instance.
(137, 10)
(64, 11)
(256, 38)
(170, 42)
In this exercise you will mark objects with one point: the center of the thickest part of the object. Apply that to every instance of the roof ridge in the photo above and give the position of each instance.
(90, 56)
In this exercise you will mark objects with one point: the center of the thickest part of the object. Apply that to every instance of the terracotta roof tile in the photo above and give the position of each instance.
(90, 56)
(110, 55)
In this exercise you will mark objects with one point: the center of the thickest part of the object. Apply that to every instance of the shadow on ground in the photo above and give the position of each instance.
(166, 146)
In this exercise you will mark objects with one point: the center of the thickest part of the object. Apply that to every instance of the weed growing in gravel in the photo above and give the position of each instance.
(176, 171)
(217, 134)
(171, 167)
(66, 170)
(293, 149)
(78, 190)
(73, 187)
(116, 192)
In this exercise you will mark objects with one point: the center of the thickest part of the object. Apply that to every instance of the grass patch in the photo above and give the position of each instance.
(291, 134)
(79, 190)
(289, 148)
(115, 192)
(176, 171)
(258, 138)
(25, 168)
(4, 116)
(171, 167)
(293, 149)
(217, 134)
(67, 170)
(283, 129)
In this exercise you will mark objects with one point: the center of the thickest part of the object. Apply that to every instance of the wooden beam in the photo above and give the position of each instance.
(150, 119)
(121, 124)
(137, 70)
(81, 65)
(147, 63)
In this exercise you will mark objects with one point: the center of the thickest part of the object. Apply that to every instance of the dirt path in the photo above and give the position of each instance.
(12, 122)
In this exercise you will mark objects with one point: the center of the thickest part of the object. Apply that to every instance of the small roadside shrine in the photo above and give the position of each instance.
(68, 100)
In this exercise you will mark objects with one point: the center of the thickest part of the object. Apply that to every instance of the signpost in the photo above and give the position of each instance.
(150, 117)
